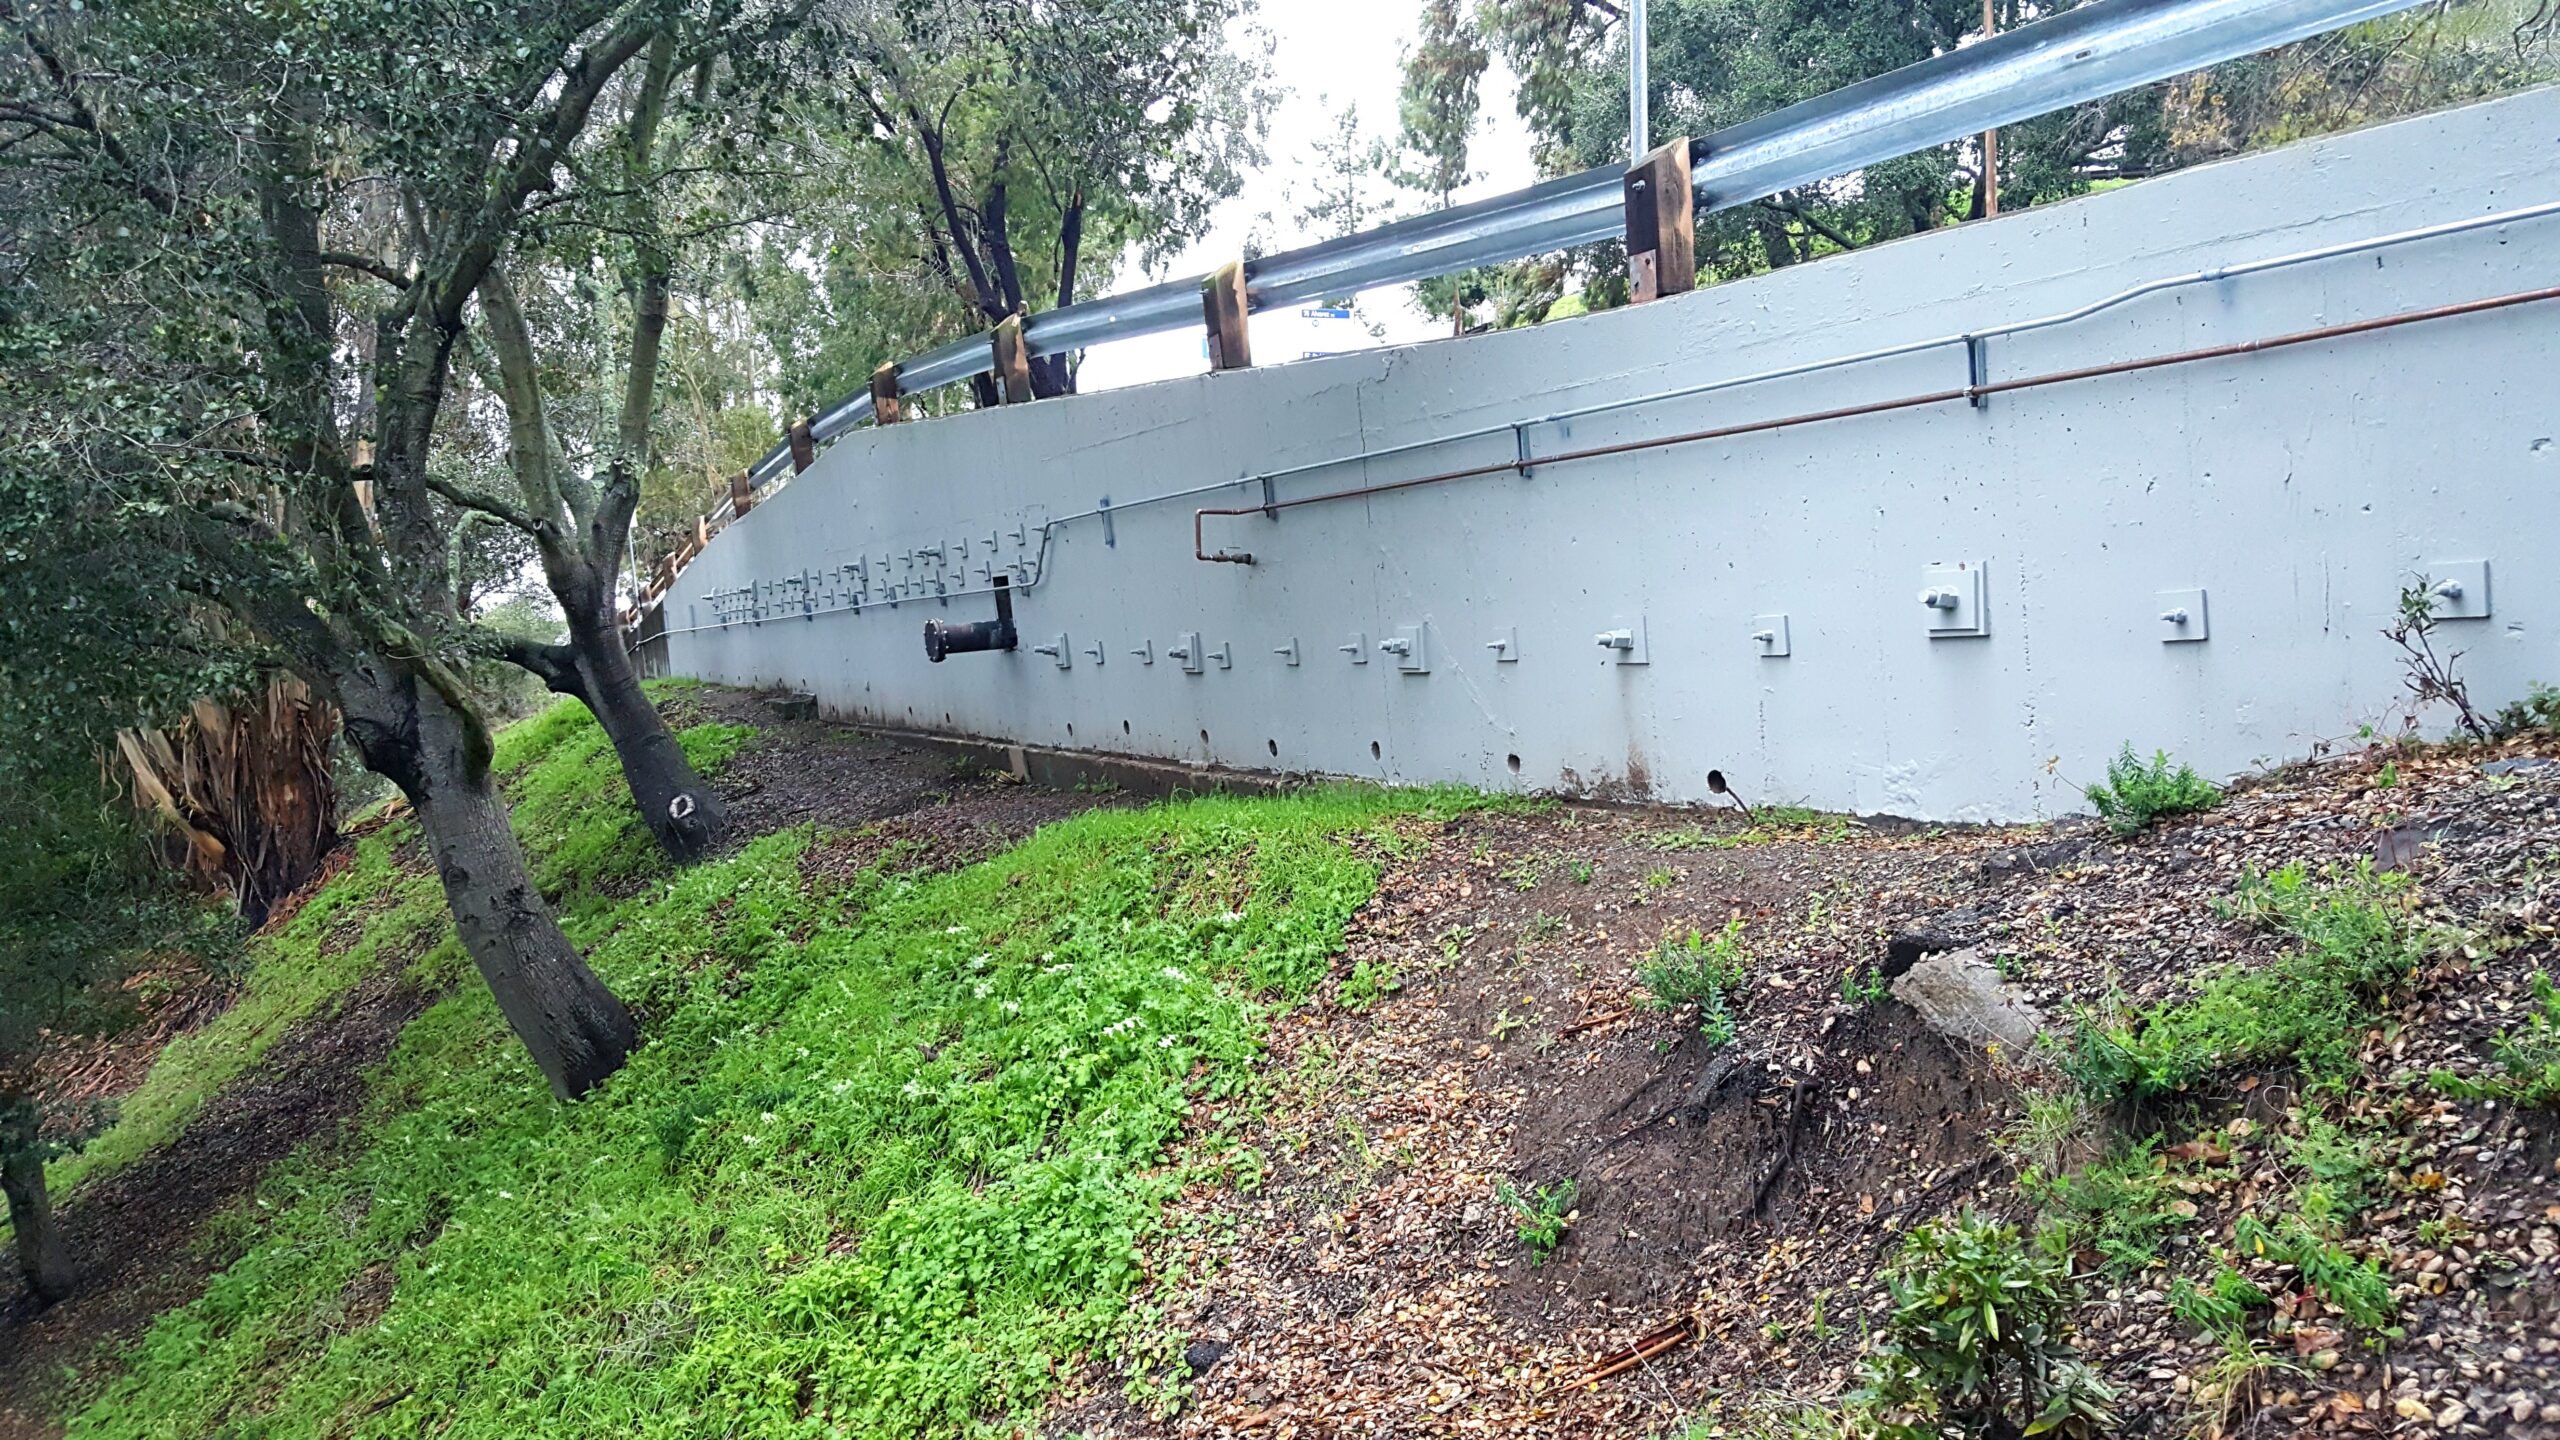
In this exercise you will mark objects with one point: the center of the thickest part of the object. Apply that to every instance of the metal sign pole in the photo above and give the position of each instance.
(1639, 123)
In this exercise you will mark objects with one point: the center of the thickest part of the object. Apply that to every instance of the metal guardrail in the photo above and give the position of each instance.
(2097, 50)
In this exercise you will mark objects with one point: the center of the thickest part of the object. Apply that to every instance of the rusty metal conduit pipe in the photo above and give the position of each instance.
(1199, 542)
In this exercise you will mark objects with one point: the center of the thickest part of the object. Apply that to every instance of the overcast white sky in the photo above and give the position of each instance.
(1328, 54)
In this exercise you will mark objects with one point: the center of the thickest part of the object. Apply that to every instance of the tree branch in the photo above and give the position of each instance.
(1811, 222)
(556, 666)
(367, 265)
(491, 506)
(83, 118)
(530, 452)
(584, 79)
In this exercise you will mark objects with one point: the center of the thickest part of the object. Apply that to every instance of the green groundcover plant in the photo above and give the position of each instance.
(885, 1165)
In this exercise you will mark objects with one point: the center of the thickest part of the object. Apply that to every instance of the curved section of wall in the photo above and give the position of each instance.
(2280, 499)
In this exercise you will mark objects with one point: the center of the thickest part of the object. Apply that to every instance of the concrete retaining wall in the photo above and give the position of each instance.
(2298, 489)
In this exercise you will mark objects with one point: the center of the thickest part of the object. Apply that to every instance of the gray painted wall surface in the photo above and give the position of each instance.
(2299, 489)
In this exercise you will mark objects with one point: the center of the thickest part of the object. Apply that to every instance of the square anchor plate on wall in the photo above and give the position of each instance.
(1624, 642)
(2460, 588)
(2182, 616)
(1954, 596)
(1412, 649)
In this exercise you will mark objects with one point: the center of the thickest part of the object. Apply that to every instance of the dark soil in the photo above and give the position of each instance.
(140, 1234)
(805, 770)
(1742, 1200)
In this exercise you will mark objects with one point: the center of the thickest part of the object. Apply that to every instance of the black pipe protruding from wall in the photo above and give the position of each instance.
(942, 639)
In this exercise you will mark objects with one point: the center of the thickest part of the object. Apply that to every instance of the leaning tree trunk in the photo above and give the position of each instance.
(687, 817)
(41, 1255)
(575, 1027)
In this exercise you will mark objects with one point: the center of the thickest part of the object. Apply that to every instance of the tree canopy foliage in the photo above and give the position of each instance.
(997, 158)
(246, 244)
(1715, 63)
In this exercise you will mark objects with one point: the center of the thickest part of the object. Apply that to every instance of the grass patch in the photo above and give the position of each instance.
(1771, 823)
(884, 1165)
(2122, 1209)
(2356, 935)
(575, 816)
(369, 911)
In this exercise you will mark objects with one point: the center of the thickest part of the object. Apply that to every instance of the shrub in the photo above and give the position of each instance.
(2537, 713)
(2220, 1307)
(1539, 1217)
(1978, 1339)
(2429, 677)
(2138, 792)
(1701, 969)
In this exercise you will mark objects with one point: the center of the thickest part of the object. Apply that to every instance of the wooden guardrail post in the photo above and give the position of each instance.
(701, 533)
(885, 407)
(1662, 224)
(1223, 309)
(742, 494)
(804, 446)
(1012, 360)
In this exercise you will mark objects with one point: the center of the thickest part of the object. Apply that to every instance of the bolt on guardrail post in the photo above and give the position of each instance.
(1662, 234)
(1224, 310)
(804, 446)
(1012, 360)
(885, 409)
(742, 494)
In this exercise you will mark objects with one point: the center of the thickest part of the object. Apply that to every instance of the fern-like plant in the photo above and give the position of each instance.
(2139, 791)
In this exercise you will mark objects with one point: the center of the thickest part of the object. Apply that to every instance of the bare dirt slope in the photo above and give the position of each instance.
(1733, 1203)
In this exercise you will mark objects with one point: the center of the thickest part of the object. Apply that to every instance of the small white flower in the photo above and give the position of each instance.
(957, 930)
(1013, 1007)
(768, 1117)
(506, 1194)
(911, 1089)
(984, 989)
(1175, 975)
(1165, 1044)
(750, 1139)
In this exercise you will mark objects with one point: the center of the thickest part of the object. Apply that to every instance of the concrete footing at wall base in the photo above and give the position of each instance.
(1058, 769)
